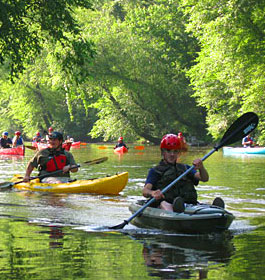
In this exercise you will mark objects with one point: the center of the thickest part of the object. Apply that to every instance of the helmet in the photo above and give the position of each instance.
(171, 142)
(180, 134)
(37, 133)
(50, 129)
(5, 133)
(56, 135)
(120, 139)
(18, 133)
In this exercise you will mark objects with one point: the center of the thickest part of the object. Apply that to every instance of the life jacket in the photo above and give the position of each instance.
(56, 161)
(183, 188)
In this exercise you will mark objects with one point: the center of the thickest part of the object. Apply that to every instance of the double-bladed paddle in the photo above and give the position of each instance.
(8, 185)
(239, 129)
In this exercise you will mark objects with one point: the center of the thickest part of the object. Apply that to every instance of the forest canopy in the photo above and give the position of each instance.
(141, 69)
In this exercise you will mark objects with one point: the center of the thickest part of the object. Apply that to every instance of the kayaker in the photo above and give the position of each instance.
(52, 159)
(37, 137)
(248, 141)
(17, 139)
(120, 143)
(5, 141)
(50, 130)
(181, 137)
(167, 171)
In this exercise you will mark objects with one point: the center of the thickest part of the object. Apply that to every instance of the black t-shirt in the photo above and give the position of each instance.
(5, 143)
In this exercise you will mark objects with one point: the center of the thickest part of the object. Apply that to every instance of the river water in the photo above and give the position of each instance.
(49, 236)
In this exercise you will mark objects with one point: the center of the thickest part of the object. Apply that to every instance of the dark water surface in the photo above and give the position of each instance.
(49, 236)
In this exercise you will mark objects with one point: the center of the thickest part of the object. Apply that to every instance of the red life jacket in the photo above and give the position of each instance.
(57, 162)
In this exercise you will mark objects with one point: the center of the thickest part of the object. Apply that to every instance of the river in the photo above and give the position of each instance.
(49, 236)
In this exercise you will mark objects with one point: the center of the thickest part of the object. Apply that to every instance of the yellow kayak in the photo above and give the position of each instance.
(108, 185)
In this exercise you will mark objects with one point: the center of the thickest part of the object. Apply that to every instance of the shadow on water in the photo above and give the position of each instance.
(183, 256)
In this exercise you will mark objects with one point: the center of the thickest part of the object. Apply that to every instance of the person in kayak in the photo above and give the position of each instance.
(37, 137)
(167, 171)
(17, 139)
(50, 130)
(248, 141)
(121, 144)
(5, 141)
(52, 159)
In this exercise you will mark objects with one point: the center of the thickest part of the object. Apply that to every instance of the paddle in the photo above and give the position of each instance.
(239, 129)
(96, 161)
(8, 185)
(31, 147)
(139, 148)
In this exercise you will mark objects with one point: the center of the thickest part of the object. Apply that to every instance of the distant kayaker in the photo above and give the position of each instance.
(167, 171)
(248, 141)
(52, 159)
(50, 130)
(37, 137)
(181, 137)
(120, 143)
(5, 141)
(17, 139)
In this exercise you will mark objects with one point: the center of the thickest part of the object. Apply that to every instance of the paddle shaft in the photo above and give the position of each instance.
(45, 175)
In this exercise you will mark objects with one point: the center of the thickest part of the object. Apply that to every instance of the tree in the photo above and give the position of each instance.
(229, 75)
(139, 71)
(27, 25)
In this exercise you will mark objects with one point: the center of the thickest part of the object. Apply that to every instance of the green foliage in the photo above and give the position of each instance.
(229, 75)
(139, 71)
(26, 26)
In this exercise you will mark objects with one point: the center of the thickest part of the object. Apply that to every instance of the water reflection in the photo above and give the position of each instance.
(56, 235)
(183, 256)
(45, 236)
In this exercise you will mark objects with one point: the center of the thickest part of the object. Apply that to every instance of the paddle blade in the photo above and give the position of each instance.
(96, 161)
(102, 147)
(6, 186)
(239, 129)
(120, 226)
(139, 148)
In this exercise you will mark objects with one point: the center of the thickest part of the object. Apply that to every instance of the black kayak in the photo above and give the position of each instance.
(200, 218)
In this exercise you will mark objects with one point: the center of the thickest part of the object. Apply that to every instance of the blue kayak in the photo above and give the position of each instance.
(242, 150)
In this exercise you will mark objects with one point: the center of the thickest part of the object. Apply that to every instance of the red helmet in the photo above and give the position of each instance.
(171, 142)
(18, 133)
(38, 134)
(120, 139)
(50, 129)
(180, 134)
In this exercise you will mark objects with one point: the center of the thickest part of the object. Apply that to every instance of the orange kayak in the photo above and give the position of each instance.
(121, 150)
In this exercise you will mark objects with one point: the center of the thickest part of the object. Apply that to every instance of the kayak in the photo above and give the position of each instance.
(242, 150)
(76, 144)
(111, 185)
(17, 151)
(41, 146)
(121, 150)
(201, 218)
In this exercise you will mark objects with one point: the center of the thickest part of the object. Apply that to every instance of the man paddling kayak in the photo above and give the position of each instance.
(120, 143)
(168, 170)
(52, 159)
(5, 141)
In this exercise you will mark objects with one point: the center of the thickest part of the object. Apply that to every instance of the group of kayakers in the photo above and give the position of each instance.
(6, 142)
(55, 157)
